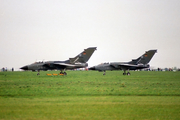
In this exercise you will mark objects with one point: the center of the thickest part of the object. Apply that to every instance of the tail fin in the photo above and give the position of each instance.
(84, 56)
(147, 56)
(144, 59)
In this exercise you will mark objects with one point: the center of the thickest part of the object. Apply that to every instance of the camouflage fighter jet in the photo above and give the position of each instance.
(77, 62)
(139, 63)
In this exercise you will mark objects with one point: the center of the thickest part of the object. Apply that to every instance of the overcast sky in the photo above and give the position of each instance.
(121, 30)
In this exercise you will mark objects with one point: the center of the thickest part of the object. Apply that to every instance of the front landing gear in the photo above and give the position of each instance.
(38, 72)
(104, 73)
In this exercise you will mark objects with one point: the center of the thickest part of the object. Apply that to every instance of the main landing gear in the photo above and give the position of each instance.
(128, 73)
(63, 73)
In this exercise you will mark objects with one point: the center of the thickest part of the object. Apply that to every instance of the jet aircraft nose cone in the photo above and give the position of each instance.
(24, 68)
(92, 68)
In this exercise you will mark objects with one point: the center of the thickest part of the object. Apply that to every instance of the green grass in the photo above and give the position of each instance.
(90, 95)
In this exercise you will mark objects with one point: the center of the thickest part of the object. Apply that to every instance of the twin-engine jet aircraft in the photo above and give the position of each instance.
(73, 63)
(139, 63)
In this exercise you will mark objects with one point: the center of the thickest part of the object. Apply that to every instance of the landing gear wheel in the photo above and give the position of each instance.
(104, 73)
(128, 73)
(65, 73)
(124, 73)
(38, 72)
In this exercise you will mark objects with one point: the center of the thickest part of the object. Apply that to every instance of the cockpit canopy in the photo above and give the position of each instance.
(40, 61)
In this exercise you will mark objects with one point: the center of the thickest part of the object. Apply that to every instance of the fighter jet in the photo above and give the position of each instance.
(73, 63)
(139, 63)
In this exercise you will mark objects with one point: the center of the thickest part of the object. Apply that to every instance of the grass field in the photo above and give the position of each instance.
(90, 95)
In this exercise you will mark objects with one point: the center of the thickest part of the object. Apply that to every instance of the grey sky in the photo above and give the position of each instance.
(59, 29)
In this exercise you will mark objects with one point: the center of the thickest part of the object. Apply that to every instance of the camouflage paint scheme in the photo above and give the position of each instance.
(77, 62)
(139, 63)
